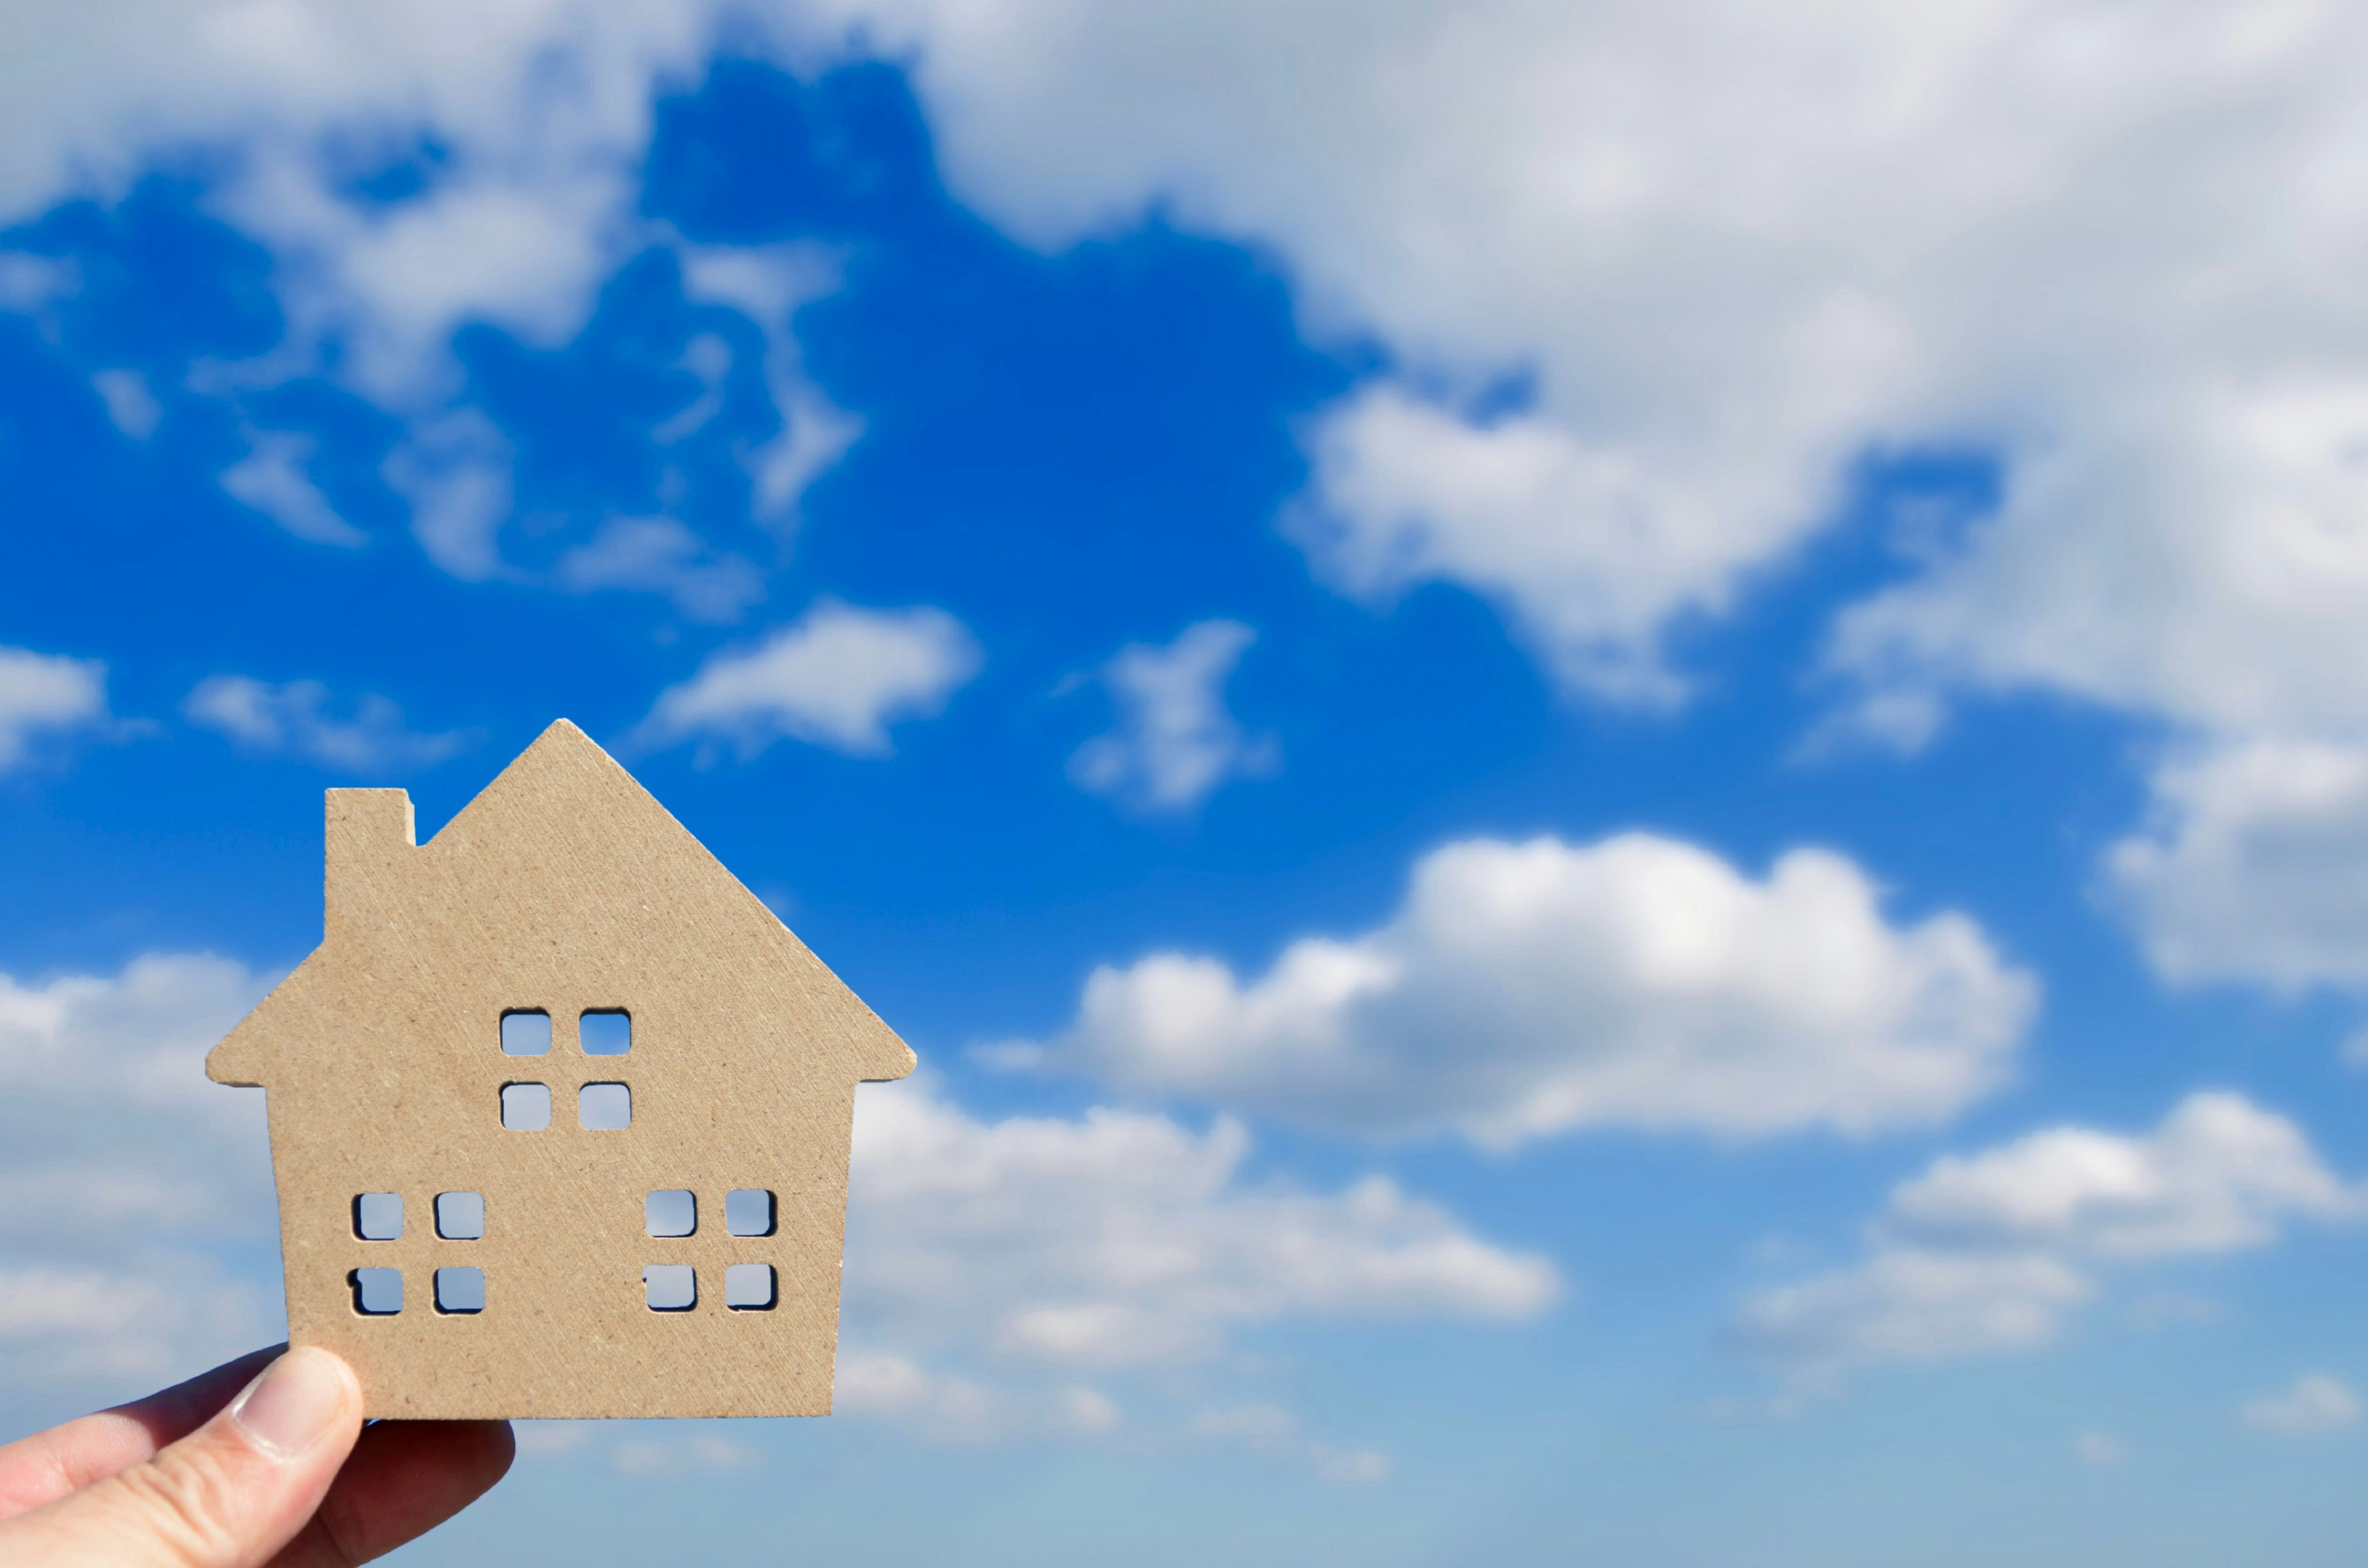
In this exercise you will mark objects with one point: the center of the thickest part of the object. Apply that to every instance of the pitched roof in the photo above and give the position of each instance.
(562, 865)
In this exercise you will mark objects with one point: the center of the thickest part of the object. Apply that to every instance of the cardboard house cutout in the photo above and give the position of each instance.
(560, 1111)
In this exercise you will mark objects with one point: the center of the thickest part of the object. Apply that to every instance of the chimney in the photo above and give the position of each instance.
(368, 831)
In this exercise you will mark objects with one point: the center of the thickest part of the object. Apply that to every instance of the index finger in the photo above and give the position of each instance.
(39, 1470)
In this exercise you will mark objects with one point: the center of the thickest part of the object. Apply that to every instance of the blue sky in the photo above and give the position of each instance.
(1612, 820)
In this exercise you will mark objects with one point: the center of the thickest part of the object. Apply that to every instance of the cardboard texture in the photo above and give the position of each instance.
(562, 889)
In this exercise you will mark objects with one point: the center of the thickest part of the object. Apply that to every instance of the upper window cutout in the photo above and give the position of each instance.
(526, 1108)
(605, 1108)
(671, 1211)
(461, 1215)
(607, 1031)
(377, 1216)
(748, 1211)
(526, 1034)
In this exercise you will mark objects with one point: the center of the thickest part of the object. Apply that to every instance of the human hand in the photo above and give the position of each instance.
(232, 1469)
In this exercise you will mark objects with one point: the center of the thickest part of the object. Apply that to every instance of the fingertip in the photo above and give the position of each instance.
(299, 1400)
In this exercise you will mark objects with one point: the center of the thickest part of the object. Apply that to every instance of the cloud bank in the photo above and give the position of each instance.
(1528, 989)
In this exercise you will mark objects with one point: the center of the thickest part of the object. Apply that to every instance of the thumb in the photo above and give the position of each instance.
(228, 1495)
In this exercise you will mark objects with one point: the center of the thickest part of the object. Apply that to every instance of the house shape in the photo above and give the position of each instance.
(664, 1238)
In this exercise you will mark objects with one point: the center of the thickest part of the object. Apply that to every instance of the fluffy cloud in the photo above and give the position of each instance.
(2253, 864)
(296, 719)
(1001, 1274)
(1993, 1251)
(1124, 1240)
(838, 677)
(133, 1193)
(46, 693)
(1175, 742)
(2315, 1405)
(1525, 989)
(1732, 250)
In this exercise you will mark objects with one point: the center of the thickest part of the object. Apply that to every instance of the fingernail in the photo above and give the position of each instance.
(293, 1404)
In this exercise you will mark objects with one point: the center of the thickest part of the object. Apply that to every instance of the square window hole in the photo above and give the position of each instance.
(526, 1108)
(378, 1292)
(671, 1211)
(748, 1211)
(459, 1290)
(377, 1216)
(607, 1031)
(526, 1034)
(605, 1108)
(749, 1287)
(461, 1215)
(670, 1287)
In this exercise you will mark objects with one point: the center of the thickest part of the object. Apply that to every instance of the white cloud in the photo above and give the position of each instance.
(702, 1453)
(455, 470)
(838, 677)
(769, 284)
(660, 555)
(1269, 1429)
(296, 719)
(1125, 1240)
(272, 480)
(132, 407)
(2315, 1405)
(1736, 247)
(2253, 864)
(46, 692)
(1527, 989)
(1175, 741)
(130, 1185)
(1733, 248)
(1993, 1251)
(1001, 1274)
(2100, 1449)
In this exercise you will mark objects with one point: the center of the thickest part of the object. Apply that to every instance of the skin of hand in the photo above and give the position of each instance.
(263, 1461)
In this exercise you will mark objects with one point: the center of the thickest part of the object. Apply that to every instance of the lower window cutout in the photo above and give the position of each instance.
(378, 1292)
(459, 1290)
(749, 1287)
(669, 1287)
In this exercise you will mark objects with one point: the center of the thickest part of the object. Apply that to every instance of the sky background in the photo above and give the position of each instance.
(1613, 760)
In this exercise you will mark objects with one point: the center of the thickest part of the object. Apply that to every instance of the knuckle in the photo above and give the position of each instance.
(187, 1500)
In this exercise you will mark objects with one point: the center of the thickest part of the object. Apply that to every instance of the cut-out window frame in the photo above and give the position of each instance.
(584, 1107)
(508, 1126)
(669, 1272)
(736, 1276)
(460, 1274)
(458, 1230)
(651, 1208)
(543, 1049)
(359, 1281)
(368, 1212)
(587, 1032)
(735, 1224)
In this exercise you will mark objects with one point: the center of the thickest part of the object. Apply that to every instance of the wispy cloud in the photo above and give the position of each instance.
(300, 719)
(272, 479)
(840, 677)
(2315, 1405)
(1175, 740)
